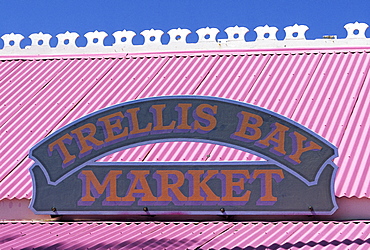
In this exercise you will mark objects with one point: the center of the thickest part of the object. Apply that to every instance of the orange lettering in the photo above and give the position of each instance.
(276, 137)
(266, 176)
(140, 176)
(60, 146)
(157, 111)
(197, 185)
(298, 148)
(207, 119)
(134, 123)
(182, 109)
(82, 140)
(111, 128)
(229, 175)
(245, 125)
(110, 178)
(174, 187)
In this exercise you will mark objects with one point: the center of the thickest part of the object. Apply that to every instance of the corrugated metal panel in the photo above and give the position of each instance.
(186, 235)
(228, 77)
(232, 77)
(294, 236)
(124, 82)
(18, 183)
(328, 101)
(326, 108)
(353, 177)
(325, 92)
(283, 82)
(109, 235)
(353, 235)
(276, 82)
(119, 85)
(6, 67)
(255, 235)
(25, 82)
(180, 76)
(43, 111)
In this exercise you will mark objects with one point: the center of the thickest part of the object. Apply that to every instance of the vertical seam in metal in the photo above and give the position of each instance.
(264, 66)
(154, 75)
(25, 157)
(69, 61)
(88, 91)
(206, 75)
(367, 75)
(262, 70)
(12, 170)
(212, 238)
(308, 83)
(200, 83)
(21, 108)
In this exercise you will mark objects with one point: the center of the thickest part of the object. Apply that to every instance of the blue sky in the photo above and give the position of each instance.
(325, 17)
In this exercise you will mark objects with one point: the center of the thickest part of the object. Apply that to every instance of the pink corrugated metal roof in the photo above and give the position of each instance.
(327, 92)
(23, 83)
(328, 101)
(353, 177)
(186, 235)
(44, 110)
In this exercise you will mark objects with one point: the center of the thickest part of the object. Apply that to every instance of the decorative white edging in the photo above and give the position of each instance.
(356, 30)
(67, 40)
(266, 33)
(207, 40)
(178, 36)
(123, 38)
(12, 41)
(295, 32)
(236, 33)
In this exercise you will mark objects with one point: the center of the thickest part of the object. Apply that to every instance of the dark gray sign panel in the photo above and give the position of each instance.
(298, 172)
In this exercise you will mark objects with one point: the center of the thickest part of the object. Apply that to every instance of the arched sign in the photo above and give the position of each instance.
(296, 178)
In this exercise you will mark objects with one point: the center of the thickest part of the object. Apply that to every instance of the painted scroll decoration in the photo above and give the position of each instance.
(296, 178)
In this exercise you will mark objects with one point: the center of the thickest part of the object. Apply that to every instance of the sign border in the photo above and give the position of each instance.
(329, 161)
(308, 212)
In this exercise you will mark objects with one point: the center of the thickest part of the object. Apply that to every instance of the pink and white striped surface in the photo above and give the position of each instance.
(185, 235)
(327, 92)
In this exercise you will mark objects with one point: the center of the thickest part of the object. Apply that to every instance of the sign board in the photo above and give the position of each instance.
(296, 178)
